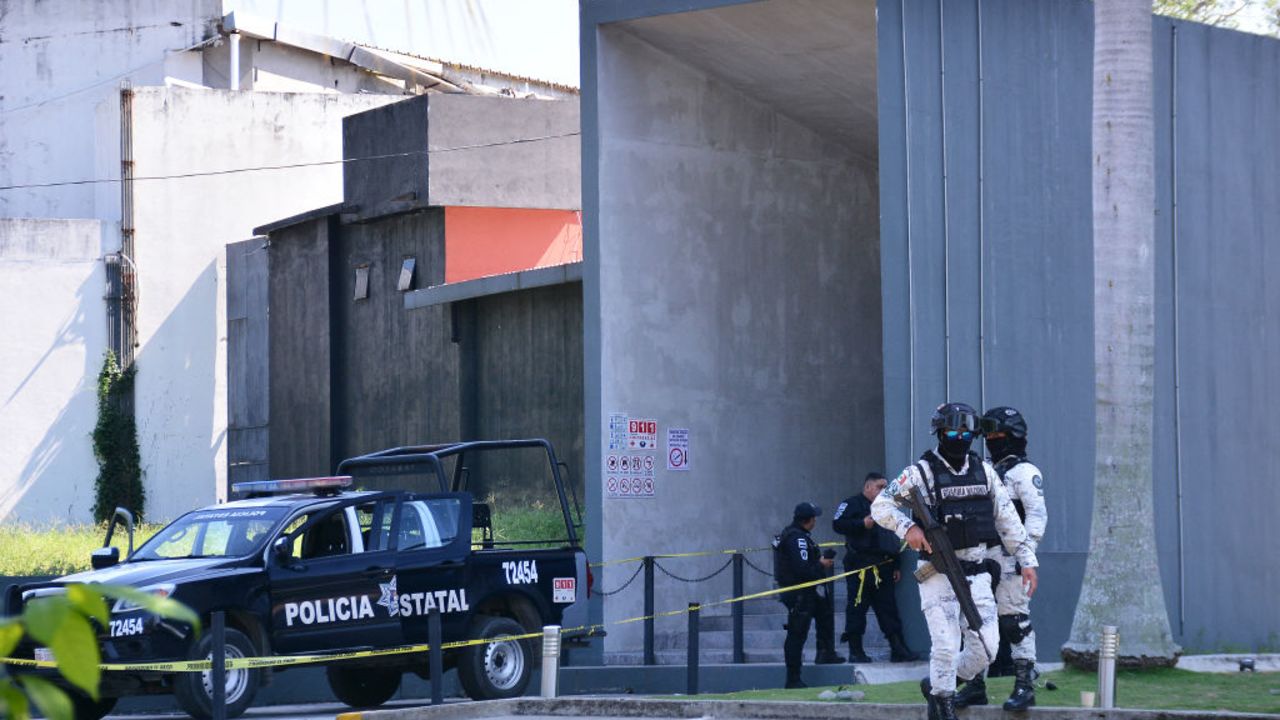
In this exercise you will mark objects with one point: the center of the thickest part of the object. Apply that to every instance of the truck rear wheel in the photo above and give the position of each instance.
(361, 686)
(497, 669)
(194, 690)
(84, 707)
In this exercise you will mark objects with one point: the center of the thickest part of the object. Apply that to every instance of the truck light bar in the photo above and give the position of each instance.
(317, 484)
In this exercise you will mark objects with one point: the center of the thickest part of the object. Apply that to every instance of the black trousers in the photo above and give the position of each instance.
(874, 595)
(802, 611)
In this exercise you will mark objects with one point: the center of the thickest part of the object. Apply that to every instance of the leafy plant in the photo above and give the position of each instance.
(64, 624)
(115, 444)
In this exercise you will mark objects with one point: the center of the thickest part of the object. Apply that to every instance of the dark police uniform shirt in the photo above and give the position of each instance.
(798, 560)
(864, 545)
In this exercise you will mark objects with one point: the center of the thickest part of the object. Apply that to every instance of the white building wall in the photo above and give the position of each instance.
(61, 59)
(52, 285)
(182, 228)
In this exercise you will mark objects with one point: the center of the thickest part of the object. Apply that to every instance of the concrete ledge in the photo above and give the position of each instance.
(611, 707)
(493, 285)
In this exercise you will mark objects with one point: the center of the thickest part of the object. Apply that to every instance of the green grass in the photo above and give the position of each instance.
(532, 521)
(1151, 689)
(26, 550)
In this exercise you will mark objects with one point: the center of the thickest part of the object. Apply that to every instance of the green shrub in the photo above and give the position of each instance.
(115, 444)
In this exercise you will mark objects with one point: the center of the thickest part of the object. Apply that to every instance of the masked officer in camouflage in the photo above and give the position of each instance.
(1006, 437)
(970, 501)
(798, 559)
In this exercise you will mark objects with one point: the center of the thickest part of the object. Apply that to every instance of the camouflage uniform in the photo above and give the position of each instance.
(1026, 490)
(937, 600)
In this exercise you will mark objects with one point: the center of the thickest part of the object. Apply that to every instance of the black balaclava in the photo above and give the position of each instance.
(953, 450)
(1001, 448)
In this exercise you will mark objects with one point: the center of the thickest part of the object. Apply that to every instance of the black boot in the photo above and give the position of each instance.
(942, 707)
(899, 652)
(793, 679)
(829, 657)
(974, 692)
(1024, 690)
(856, 653)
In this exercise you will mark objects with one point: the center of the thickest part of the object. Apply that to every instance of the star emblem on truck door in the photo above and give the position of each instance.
(390, 598)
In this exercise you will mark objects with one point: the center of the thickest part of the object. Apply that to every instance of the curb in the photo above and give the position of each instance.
(753, 710)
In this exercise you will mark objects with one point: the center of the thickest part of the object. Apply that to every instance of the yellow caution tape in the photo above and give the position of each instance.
(288, 660)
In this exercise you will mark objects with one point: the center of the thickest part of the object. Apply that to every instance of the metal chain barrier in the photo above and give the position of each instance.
(607, 593)
(672, 575)
(757, 568)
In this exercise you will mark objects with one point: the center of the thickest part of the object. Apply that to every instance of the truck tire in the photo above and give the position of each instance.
(194, 691)
(362, 687)
(498, 669)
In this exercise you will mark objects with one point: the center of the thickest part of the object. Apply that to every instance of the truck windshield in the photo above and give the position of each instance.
(212, 533)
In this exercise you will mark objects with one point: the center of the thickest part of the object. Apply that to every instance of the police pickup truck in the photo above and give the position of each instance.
(309, 566)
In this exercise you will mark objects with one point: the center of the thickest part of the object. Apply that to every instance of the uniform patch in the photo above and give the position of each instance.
(959, 492)
(804, 548)
(840, 511)
(1037, 481)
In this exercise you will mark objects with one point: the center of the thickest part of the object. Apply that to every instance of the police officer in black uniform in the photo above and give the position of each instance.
(869, 545)
(798, 559)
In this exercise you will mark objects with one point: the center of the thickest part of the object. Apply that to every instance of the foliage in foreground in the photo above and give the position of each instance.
(1162, 689)
(64, 624)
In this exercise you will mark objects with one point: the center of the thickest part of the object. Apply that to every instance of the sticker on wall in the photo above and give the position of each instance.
(677, 448)
(642, 434)
(617, 431)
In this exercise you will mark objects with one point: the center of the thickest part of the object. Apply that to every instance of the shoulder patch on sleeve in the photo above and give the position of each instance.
(840, 510)
(1037, 481)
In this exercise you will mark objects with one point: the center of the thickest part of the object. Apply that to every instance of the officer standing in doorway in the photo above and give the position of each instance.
(1006, 437)
(798, 559)
(867, 545)
(967, 498)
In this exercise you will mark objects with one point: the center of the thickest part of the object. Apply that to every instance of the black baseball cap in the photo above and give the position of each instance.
(806, 510)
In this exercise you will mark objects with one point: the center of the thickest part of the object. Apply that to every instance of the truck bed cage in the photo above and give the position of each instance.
(408, 458)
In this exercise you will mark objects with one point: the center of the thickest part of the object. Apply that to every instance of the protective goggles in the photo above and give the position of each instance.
(965, 425)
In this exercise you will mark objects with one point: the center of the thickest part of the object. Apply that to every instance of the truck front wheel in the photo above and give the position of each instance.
(497, 669)
(194, 690)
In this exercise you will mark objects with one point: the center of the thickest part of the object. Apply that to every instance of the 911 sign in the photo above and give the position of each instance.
(642, 434)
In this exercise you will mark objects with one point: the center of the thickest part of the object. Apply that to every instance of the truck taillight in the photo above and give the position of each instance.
(591, 580)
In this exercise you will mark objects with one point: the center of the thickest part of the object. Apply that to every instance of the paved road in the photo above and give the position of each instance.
(314, 711)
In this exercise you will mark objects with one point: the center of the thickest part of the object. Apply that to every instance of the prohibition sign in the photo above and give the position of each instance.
(677, 457)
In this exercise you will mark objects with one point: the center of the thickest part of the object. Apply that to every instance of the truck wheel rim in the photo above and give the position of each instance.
(237, 680)
(504, 663)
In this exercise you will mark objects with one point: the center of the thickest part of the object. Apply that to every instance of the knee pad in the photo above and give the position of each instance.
(1011, 627)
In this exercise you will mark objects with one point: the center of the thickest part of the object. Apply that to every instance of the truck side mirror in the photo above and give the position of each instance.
(104, 557)
(282, 550)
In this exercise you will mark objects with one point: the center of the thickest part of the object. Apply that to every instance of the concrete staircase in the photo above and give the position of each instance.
(762, 636)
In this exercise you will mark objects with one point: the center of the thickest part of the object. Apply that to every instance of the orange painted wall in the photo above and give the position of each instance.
(482, 241)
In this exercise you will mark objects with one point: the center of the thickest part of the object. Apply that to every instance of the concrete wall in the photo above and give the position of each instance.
(48, 92)
(464, 150)
(733, 255)
(182, 227)
(1025, 132)
(52, 284)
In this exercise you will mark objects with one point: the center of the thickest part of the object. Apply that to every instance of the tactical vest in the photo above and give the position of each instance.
(1005, 466)
(962, 503)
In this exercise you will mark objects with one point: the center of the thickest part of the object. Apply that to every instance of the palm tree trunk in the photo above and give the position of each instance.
(1122, 580)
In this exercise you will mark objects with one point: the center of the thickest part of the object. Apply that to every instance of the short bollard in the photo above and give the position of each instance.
(693, 648)
(436, 656)
(219, 669)
(1107, 651)
(550, 661)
